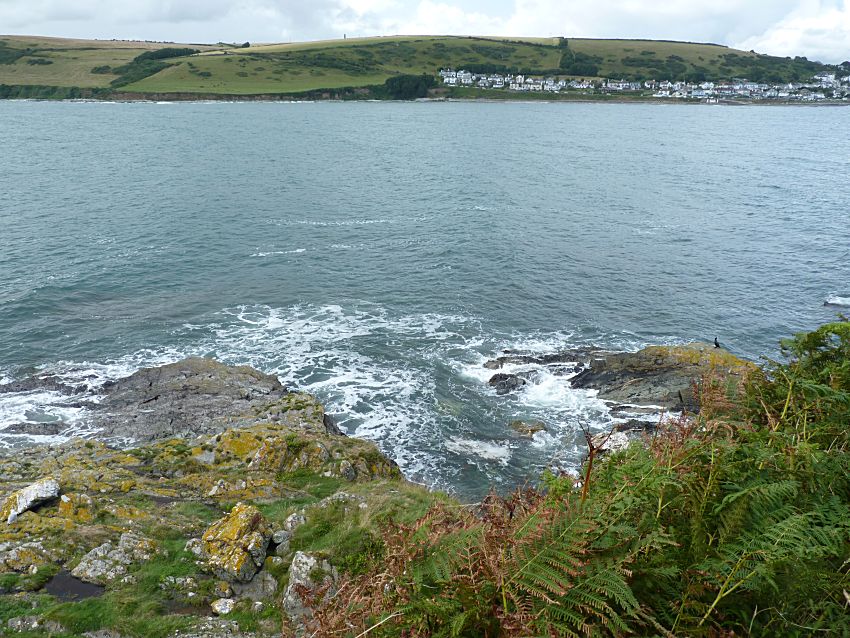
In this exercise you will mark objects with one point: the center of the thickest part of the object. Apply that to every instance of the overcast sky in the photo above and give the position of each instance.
(818, 29)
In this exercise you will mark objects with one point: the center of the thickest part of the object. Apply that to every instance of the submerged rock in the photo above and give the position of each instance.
(19, 502)
(505, 383)
(235, 546)
(527, 428)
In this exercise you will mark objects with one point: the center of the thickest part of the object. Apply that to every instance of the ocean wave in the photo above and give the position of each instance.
(487, 450)
(343, 222)
(297, 251)
(837, 300)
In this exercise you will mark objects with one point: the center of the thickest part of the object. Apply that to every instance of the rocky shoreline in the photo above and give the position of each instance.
(638, 387)
(224, 466)
(218, 500)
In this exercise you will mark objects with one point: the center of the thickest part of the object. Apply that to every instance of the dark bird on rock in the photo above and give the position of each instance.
(716, 343)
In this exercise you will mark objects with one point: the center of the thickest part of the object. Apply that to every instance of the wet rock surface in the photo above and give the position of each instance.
(662, 377)
(196, 396)
(65, 587)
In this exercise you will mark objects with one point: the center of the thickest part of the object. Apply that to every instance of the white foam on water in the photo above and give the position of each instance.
(487, 450)
(330, 351)
(343, 222)
(837, 300)
(297, 251)
(44, 407)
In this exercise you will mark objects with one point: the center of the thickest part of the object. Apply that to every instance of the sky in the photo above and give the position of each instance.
(818, 29)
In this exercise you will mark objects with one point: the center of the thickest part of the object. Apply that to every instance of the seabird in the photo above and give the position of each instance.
(716, 343)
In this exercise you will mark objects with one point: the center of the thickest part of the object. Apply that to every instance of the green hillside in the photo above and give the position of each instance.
(334, 64)
(41, 61)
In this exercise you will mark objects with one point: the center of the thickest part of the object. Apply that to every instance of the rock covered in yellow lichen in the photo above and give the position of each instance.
(22, 557)
(20, 501)
(109, 561)
(235, 545)
(76, 507)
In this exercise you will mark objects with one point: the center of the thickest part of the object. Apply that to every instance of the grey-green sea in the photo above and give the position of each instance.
(378, 254)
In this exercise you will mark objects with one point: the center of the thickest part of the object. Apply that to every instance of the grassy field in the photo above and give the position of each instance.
(65, 62)
(333, 64)
(292, 68)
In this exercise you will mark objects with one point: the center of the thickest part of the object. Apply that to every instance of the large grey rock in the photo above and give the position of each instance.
(263, 586)
(309, 574)
(19, 502)
(187, 398)
(505, 383)
(110, 562)
(201, 396)
(656, 375)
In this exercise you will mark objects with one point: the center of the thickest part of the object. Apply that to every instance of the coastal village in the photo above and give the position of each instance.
(821, 87)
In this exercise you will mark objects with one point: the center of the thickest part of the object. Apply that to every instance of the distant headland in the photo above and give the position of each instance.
(412, 67)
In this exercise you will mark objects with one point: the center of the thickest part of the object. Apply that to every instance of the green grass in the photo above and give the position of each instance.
(314, 67)
(71, 61)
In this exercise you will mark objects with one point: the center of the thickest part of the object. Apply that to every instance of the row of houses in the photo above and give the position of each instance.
(816, 89)
(742, 89)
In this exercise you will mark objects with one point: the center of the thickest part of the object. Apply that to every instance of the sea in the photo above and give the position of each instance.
(379, 254)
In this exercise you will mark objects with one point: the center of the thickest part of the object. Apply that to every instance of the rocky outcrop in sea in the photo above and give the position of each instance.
(637, 386)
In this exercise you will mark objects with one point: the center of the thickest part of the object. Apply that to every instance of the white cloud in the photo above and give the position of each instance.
(819, 30)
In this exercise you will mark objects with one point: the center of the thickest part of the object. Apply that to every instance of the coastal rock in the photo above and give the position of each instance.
(183, 399)
(36, 429)
(611, 442)
(235, 545)
(46, 383)
(308, 575)
(505, 383)
(107, 562)
(27, 624)
(223, 606)
(24, 557)
(19, 502)
(214, 628)
(263, 586)
(527, 428)
(661, 376)
(199, 396)
(566, 361)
